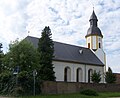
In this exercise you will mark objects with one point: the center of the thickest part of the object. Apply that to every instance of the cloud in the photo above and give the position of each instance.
(12, 20)
(68, 21)
(66, 18)
(114, 61)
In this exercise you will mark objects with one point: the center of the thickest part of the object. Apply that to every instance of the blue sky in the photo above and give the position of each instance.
(68, 20)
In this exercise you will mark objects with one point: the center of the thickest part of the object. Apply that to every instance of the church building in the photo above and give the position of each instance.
(76, 64)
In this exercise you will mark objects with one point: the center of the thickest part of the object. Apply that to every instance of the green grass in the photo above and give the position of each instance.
(101, 95)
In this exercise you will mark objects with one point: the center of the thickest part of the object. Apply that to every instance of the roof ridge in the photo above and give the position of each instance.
(62, 43)
(32, 37)
(70, 44)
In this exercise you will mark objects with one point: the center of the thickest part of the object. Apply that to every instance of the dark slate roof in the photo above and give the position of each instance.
(93, 30)
(93, 16)
(70, 53)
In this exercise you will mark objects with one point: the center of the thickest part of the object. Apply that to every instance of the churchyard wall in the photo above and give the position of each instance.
(49, 87)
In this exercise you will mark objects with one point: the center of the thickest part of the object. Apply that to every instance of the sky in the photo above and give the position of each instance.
(68, 21)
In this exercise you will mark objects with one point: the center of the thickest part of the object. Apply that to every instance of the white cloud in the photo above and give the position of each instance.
(114, 61)
(12, 20)
(68, 20)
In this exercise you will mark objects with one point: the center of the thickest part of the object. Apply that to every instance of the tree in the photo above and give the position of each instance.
(1, 58)
(96, 77)
(46, 50)
(23, 55)
(110, 77)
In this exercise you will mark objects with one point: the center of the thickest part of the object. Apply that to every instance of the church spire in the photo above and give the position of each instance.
(94, 39)
(93, 30)
(94, 35)
(93, 19)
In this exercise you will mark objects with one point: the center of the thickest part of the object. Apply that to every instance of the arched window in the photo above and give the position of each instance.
(79, 75)
(99, 45)
(67, 74)
(90, 72)
(88, 45)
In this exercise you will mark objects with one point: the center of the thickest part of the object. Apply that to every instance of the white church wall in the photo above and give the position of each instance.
(97, 69)
(89, 41)
(59, 70)
(101, 55)
(60, 66)
(100, 41)
(94, 42)
(75, 67)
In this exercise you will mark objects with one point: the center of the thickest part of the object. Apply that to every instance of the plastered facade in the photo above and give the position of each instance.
(59, 68)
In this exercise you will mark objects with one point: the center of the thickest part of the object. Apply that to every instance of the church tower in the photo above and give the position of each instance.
(94, 35)
(94, 38)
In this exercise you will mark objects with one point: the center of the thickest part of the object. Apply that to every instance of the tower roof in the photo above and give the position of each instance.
(93, 16)
(93, 29)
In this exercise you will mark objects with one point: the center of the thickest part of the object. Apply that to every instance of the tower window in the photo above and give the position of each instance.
(99, 45)
(99, 39)
(88, 45)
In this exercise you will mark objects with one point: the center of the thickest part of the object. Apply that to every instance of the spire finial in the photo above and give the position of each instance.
(92, 5)
(28, 33)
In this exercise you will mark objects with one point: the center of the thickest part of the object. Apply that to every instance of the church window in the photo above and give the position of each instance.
(67, 74)
(90, 72)
(88, 45)
(79, 75)
(99, 39)
(91, 23)
(88, 39)
(99, 45)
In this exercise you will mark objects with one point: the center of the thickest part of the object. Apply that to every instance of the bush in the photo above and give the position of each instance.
(89, 92)
(110, 76)
(96, 77)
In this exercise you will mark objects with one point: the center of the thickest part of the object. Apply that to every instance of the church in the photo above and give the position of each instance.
(76, 64)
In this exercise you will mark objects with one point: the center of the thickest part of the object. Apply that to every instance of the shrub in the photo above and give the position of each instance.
(110, 76)
(96, 77)
(89, 92)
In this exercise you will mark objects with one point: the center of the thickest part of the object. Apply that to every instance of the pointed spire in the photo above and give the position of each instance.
(93, 30)
(93, 16)
(93, 19)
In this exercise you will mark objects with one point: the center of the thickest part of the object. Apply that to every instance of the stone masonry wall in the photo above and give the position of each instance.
(49, 87)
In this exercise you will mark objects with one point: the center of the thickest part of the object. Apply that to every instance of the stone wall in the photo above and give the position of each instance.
(117, 78)
(49, 87)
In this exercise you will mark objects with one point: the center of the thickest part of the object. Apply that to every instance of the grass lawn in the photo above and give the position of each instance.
(101, 95)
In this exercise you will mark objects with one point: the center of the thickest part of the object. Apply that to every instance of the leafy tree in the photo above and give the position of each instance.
(46, 50)
(110, 77)
(1, 58)
(24, 55)
(96, 77)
